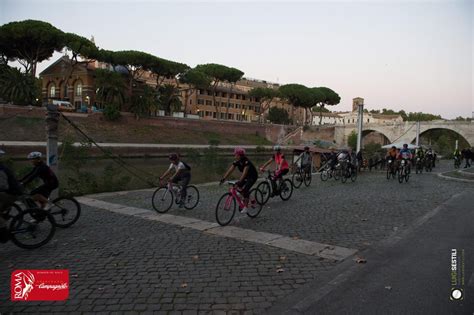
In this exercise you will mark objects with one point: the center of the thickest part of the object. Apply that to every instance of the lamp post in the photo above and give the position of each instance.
(360, 118)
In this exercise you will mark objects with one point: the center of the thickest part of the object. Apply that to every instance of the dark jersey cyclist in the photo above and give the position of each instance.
(42, 171)
(249, 174)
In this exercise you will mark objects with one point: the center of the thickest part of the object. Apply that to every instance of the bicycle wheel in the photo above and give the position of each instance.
(307, 179)
(162, 200)
(265, 189)
(254, 206)
(66, 211)
(324, 175)
(192, 197)
(389, 173)
(407, 176)
(337, 173)
(353, 175)
(32, 228)
(401, 173)
(225, 209)
(345, 175)
(297, 179)
(286, 190)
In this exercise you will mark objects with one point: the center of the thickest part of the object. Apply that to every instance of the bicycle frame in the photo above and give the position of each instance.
(234, 195)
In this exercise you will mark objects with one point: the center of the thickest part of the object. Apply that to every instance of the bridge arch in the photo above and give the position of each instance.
(371, 135)
(456, 135)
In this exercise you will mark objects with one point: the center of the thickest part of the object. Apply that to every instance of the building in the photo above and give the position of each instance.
(232, 102)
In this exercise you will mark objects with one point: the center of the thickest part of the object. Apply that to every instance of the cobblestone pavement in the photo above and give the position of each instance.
(126, 264)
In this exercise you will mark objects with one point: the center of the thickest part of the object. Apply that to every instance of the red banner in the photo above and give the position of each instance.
(40, 285)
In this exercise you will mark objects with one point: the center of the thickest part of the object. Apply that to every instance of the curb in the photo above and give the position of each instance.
(445, 177)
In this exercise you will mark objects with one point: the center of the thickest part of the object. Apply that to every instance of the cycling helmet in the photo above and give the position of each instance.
(394, 147)
(306, 148)
(34, 155)
(405, 146)
(173, 156)
(277, 148)
(2, 152)
(239, 151)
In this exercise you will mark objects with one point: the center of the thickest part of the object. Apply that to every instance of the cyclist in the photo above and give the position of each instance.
(457, 155)
(44, 172)
(247, 179)
(332, 161)
(306, 160)
(282, 167)
(9, 191)
(429, 155)
(182, 175)
(405, 154)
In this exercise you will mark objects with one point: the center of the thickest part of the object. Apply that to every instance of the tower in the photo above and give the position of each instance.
(356, 102)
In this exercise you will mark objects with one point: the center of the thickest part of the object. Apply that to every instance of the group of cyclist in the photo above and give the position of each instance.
(11, 188)
(395, 155)
(249, 172)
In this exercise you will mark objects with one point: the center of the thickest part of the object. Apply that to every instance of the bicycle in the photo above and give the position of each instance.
(419, 165)
(27, 226)
(348, 171)
(428, 164)
(225, 209)
(163, 197)
(285, 189)
(65, 210)
(457, 162)
(403, 172)
(391, 170)
(300, 176)
(328, 172)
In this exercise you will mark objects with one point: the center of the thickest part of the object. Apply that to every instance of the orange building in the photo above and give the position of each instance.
(232, 102)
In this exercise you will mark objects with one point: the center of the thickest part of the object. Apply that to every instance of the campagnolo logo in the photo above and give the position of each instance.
(23, 284)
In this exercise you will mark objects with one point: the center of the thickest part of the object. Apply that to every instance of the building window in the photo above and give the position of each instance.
(52, 90)
(214, 114)
(200, 102)
(224, 94)
(208, 102)
(237, 96)
(243, 97)
(79, 89)
(190, 102)
(232, 95)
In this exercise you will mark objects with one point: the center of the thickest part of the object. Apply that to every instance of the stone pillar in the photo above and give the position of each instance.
(52, 121)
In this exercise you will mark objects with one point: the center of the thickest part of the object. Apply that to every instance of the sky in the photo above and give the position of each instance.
(398, 54)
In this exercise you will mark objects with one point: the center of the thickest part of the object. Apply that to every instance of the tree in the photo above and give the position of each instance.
(136, 63)
(330, 98)
(169, 98)
(17, 87)
(297, 95)
(265, 96)
(82, 50)
(278, 116)
(110, 87)
(143, 103)
(318, 99)
(218, 74)
(352, 140)
(30, 42)
(194, 79)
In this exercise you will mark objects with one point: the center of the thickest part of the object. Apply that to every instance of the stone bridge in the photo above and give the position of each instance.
(406, 131)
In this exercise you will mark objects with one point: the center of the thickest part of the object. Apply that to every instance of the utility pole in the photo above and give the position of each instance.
(52, 122)
(417, 133)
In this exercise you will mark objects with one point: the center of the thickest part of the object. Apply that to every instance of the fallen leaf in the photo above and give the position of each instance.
(100, 289)
(280, 270)
(184, 285)
(282, 258)
(195, 257)
(296, 237)
(360, 260)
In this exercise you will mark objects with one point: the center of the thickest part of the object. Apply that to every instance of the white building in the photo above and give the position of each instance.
(347, 118)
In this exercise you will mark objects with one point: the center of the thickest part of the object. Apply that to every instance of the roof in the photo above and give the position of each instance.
(312, 149)
(316, 114)
(383, 116)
